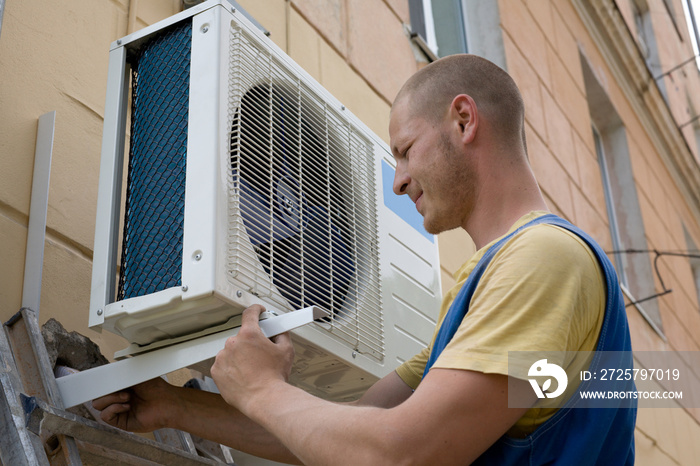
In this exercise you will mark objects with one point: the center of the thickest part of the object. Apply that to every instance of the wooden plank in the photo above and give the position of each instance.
(18, 446)
(97, 455)
(53, 436)
(213, 450)
(42, 416)
(36, 375)
(176, 438)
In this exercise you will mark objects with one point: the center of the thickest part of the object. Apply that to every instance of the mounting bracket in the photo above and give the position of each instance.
(93, 383)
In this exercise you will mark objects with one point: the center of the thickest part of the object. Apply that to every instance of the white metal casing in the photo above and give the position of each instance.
(408, 257)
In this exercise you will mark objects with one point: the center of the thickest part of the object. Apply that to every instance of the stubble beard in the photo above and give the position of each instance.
(459, 195)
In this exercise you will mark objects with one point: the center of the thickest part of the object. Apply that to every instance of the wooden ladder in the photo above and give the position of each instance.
(36, 430)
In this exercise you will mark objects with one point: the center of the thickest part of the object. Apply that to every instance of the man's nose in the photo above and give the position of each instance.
(401, 180)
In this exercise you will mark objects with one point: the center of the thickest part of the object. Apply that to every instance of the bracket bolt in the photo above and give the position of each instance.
(184, 288)
(99, 312)
(239, 293)
(119, 42)
(198, 257)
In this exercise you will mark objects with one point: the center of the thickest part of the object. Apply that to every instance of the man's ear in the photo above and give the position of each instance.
(464, 114)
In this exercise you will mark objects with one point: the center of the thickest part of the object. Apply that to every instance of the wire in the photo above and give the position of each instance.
(657, 254)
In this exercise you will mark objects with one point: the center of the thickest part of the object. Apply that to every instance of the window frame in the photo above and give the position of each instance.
(610, 204)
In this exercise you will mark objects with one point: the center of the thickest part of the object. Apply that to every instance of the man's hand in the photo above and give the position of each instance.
(141, 408)
(250, 362)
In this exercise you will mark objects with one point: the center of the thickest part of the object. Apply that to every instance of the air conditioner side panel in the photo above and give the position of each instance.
(410, 269)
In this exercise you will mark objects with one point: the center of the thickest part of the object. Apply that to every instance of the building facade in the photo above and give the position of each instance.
(612, 98)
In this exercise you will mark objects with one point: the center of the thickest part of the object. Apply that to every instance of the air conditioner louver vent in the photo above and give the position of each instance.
(155, 202)
(302, 201)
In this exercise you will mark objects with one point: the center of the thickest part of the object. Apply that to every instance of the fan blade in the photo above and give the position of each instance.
(261, 224)
(327, 264)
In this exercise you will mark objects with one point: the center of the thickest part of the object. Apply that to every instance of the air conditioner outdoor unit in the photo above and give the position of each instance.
(247, 182)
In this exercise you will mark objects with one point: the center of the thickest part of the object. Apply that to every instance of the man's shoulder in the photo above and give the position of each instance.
(546, 250)
(549, 242)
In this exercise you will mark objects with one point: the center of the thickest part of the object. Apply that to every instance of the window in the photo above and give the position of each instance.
(440, 25)
(691, 8)
(450, 33)
(445, 27)
(610, 204)
(624, 213)
(647, 42)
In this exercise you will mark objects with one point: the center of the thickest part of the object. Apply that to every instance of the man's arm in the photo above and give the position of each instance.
(388, 392)
(453, 416)
(156, 404)
(207, 415)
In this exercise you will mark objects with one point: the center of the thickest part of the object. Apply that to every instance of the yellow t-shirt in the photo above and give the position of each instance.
(543, 291)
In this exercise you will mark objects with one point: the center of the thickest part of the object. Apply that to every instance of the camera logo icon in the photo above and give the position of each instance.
(542, 368)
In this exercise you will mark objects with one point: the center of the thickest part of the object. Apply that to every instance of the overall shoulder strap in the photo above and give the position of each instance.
(460, 305)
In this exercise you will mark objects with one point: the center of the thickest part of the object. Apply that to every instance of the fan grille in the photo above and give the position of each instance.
(302, 217)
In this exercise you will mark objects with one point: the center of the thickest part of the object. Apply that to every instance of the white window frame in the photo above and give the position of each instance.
(610, 204)
(693, 6)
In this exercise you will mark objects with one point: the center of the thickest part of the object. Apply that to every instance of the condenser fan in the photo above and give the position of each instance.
(289, 182)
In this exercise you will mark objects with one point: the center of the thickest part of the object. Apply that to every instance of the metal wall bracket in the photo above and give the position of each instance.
(36, 229)
(38, 431)
(93, 383)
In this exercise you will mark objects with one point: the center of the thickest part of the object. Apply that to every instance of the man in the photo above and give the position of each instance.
(457, 135)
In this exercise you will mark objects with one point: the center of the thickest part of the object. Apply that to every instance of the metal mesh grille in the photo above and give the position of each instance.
(155, 202)
(302, 194)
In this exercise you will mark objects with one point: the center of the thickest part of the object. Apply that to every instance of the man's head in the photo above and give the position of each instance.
(430, 92)
(454, 120)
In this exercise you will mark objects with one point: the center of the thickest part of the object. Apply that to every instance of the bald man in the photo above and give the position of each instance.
(536, 283)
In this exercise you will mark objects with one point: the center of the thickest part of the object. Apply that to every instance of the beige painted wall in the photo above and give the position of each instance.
(53, 56)
(48, 65)
(542, 41)
(563, 155)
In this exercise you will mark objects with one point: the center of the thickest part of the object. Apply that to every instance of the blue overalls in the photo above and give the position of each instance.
(573, 435)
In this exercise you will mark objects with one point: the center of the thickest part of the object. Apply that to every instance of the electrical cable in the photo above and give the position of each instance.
(657, 256)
